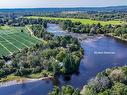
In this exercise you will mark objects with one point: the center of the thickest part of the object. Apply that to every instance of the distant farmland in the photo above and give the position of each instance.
(83, 21)
(14, 39)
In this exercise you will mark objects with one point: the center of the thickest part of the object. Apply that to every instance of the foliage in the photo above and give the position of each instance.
(110, 82)
(66, 90)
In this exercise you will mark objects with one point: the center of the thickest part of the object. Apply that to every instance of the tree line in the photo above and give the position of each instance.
(77, 27)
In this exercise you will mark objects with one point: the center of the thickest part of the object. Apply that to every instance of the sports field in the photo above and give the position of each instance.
(83, 21)
(14, 39)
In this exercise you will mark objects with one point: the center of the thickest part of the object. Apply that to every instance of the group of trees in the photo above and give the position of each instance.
(110, 82)
(21, 21)
(40, 31)
(103, 16)
(77, 27)
(66, 90)
(5, 69)
(121, 31)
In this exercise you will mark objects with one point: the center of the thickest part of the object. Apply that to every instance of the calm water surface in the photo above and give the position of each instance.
(100, 54)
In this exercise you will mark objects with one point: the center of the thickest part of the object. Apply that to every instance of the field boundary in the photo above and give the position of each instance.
(83, 21)
(33, 34)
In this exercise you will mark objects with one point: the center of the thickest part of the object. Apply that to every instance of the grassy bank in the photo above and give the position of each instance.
(83, 21)
(39, 76)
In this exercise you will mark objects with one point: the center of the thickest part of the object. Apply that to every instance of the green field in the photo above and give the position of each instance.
(12, 39)
(83, 21)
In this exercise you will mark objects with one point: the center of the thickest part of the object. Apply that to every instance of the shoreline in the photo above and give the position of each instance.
(22, 81)
(116, 37)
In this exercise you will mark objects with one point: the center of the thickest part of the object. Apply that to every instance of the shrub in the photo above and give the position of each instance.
(117, 75)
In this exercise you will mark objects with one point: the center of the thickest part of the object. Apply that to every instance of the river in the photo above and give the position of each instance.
(100, 53)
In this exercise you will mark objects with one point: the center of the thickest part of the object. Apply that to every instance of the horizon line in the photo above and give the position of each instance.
(66, 7)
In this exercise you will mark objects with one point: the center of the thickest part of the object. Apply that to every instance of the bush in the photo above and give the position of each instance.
(66, 90)
(2, 62)
(119, 89)
(117, 75)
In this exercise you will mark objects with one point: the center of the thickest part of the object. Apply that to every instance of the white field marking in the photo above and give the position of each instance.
(17, 41)
(10, 43)
(32, 35)
(25, 40)
(7, 32)
(6, 48)
(27, 28)
(2, 41)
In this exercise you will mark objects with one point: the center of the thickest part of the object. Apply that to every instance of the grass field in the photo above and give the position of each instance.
(83, 21)
(12, 39)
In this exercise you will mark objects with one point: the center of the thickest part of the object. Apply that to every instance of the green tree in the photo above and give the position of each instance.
(2, 62)
(119, 89)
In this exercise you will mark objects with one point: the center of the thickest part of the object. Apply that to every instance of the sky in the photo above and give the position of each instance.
(59, 3)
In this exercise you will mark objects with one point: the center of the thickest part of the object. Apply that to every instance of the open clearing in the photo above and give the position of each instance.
(83, 21)
(13, 40)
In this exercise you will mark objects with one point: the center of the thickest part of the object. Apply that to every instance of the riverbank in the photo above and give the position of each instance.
(116, 37)
(13, 80)
(22, 80)
(60, 32)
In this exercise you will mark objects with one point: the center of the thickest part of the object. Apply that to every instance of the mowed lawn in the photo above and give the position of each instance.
(83, 21)
(13, 40)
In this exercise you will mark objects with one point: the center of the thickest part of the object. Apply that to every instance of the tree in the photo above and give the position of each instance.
(55, 67)
(66, 90)
(55, 91)
(22, 30)
(119, 89)
(2, 62)
(117, 75)
(67, 64)
(2, 72)
(61, 55)
(88, 91)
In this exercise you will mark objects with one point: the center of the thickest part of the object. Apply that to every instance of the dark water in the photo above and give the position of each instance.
(100, 53)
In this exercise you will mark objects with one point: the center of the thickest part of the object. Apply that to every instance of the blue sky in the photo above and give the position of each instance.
(59, 3)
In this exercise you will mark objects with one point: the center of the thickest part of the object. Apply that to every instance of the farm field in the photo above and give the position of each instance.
(13, 40)
(83, 21)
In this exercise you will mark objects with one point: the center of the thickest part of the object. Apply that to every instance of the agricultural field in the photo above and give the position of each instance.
(13, 39)
(83, 21)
